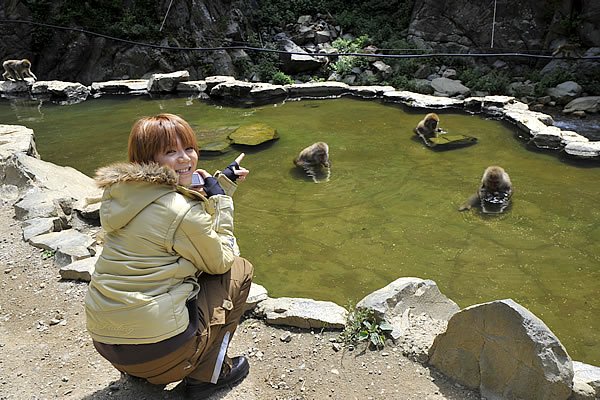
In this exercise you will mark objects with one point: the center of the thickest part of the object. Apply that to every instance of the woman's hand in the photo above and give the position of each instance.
(211, 185)
(234, 171)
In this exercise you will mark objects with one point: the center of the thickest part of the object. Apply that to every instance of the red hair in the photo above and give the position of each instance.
(151, 136)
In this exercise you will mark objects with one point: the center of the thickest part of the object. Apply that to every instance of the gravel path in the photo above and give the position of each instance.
(45, 352)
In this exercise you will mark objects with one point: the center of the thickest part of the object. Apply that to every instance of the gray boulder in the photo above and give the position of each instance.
(212, 81)
(421, 100)
(121, 86)
(238, 91)
(586, 383)
(419, 295)
(23, 170)
(16, 139)
(167, 83)
(383, 69)
(416, 310)
(38, 203)
(68, 245)
(565, 92)
(62, 92)
(589, 104)
(583, 149)
(317, 89)
(504, 351)
(80, 270)
(257, 294)
(192, 86)
(449, 87)
(302, 313)
(15, 87)
(296, 59)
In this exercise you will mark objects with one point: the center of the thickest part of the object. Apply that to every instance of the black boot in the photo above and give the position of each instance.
(228, 378)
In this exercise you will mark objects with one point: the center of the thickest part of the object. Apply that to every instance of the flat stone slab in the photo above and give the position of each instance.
(252, 135)
(69, 238)
(303, 313)
(80, 270)
(257, 294)
(121, 86)
(39, 226)
(318, 89)
(422, 100)
(586, 382)
(16, 139)
(215, 140)
(370, 91)
(583, 149)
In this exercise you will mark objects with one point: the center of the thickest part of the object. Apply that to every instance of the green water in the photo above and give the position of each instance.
(389, 210)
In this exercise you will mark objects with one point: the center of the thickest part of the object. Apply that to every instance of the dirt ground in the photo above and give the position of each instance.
(45, 352)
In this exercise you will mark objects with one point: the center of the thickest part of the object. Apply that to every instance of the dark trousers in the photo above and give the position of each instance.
(221, 302)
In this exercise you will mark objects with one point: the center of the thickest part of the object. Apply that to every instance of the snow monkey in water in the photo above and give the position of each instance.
(18, 70)
(314, 159)
(428, 127)
(494, 193)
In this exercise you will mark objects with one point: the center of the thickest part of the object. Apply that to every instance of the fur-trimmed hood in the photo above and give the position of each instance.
(129, 188)
(130, 172)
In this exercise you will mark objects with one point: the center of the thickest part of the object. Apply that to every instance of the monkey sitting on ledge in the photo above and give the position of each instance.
(494, 193)
(314, 159)
(427, 128)
(18, 70)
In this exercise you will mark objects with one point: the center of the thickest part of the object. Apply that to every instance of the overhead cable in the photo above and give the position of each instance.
(266, 50)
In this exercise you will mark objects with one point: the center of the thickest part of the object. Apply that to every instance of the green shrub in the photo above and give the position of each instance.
(398, 81)
(137, 20)
(265, 65)
(494, 82)
(380, 19)
(361, 325)
(344, 64)
(276, 14)
(279, 78)
(591, 87)
(546, 81)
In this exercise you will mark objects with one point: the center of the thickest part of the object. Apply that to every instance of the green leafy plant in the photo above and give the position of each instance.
(46, 254)
(280, 78)
(374, 333)
(344, 64)
(494, 82)
(362, 325)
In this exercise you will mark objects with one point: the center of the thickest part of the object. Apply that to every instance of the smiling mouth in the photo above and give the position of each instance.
(183, 171)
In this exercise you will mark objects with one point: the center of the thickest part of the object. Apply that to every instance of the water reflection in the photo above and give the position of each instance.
(27, 109)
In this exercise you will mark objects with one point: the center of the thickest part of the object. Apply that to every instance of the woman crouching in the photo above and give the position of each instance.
(169, 288)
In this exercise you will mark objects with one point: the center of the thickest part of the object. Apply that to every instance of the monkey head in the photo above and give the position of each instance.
(494, 178)
(431, 121)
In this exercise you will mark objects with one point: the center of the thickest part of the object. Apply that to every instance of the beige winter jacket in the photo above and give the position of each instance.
(159, 237)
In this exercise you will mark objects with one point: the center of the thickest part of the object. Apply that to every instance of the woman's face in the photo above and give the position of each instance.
(183, 161)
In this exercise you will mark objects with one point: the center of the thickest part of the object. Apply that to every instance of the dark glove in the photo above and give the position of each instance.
(230, 171)
(212, 187)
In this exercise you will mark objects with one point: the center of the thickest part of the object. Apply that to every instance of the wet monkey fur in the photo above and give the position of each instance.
(314, 160)
(495, 184)
(316, 155)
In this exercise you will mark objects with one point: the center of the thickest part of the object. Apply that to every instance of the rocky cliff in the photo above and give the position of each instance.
(520, 26)
(74, 55)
